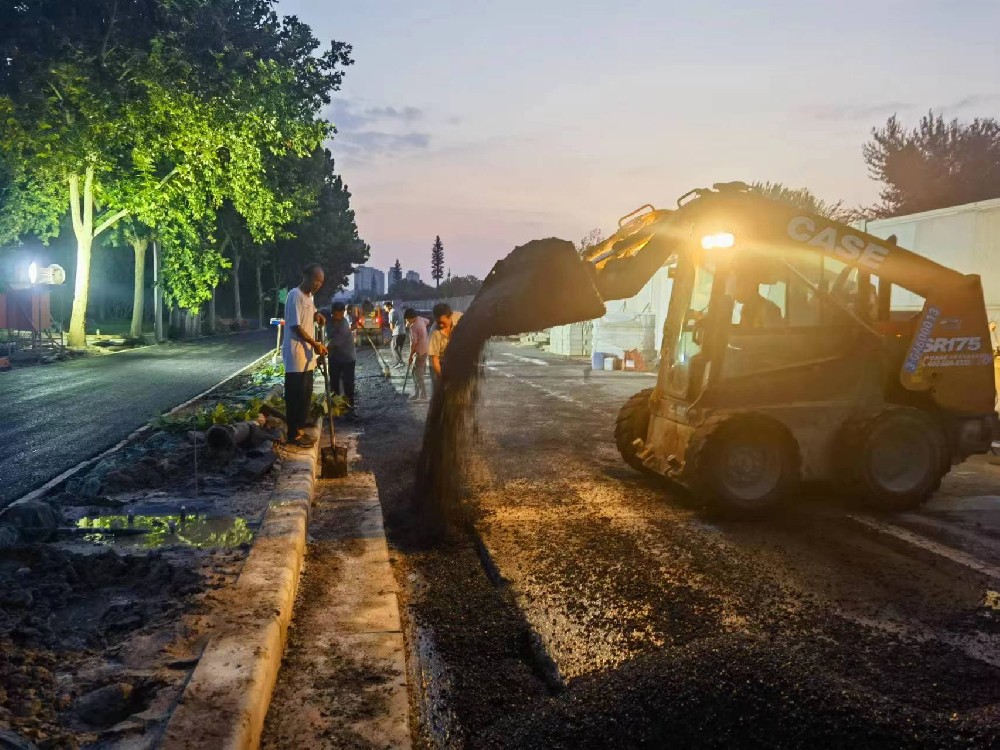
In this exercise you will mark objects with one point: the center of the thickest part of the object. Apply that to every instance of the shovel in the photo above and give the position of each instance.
(406, 377)
(385, 367)
(333, 459)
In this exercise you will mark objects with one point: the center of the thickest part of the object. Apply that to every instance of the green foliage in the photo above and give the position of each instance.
(407, 290)
(171, 108)
(460, 286)
(437, 261)
(207, 416)
(338, 405)
(802, 198)
(328, 234)
(934, 165)
(268, 373)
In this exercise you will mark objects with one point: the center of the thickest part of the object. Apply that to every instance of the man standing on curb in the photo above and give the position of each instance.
(444, 323)
(396, 332)
(343, 356)
(417, 326)
(299, 353)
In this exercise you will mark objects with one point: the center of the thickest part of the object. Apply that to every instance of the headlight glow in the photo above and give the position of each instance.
(719, 241)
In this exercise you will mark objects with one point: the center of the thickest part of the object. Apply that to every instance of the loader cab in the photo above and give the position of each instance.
(755, 325)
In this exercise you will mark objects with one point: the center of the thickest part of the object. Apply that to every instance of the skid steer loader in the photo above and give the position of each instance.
(783, 360)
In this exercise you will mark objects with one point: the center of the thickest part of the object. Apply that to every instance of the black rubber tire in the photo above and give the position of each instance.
(718, 456)
(632, 423)
(925, 457)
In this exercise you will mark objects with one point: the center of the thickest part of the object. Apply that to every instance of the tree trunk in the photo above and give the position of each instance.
(258, 262)
(157, 296)
(139, 245)
(83, 229)
(237, 309)
(211, 313)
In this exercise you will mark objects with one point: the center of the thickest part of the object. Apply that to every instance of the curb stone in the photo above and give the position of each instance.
(226, 700)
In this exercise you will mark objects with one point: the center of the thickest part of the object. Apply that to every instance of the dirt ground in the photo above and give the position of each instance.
(591, 607)
(101, 626)
(337, 688)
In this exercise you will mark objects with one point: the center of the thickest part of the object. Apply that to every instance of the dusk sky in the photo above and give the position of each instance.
(493, 123)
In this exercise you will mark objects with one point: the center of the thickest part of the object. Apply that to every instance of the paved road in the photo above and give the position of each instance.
(822, 625)
(53, 417)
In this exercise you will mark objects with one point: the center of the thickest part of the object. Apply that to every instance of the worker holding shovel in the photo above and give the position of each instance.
(300, 351)
(343, 356)
(417, 327)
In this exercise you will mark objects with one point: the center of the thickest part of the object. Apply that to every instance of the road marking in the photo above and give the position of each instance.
(542, 388)
(929, 545)
(131, 436)
(529, 360)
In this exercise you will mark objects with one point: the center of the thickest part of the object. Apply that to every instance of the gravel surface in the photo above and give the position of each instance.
(665, 627)
(56, 416)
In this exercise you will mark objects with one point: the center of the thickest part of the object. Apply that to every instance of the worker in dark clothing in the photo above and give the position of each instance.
(342, 357)
(757, 310)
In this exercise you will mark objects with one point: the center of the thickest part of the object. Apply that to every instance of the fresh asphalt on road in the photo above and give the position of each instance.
(601, 608)
(52, 417)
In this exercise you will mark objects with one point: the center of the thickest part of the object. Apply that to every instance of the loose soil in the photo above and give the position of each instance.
(99, 632)
(712, 639)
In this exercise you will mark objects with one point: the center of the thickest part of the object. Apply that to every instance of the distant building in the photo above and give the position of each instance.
(395, 276)
(412, 276)
(369, 282)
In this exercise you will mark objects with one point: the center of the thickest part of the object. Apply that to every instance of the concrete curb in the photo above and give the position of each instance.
(226, 700)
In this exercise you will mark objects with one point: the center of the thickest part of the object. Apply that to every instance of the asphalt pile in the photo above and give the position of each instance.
(735, 691)
(538, 285)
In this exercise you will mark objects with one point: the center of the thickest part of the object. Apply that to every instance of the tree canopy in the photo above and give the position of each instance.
(437, 261)
(936, 164)
(160, 112)
(802, 198)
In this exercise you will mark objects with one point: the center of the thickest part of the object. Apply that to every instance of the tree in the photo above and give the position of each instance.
(594, 237)
(460, 286)
(327, 234)
(802, 198)
(934, 165)
(411, 290)
(125, 108)
(437, 261)
(395, 274)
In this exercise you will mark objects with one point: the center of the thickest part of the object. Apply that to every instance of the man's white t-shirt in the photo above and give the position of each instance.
(396, 322)
(300, 310)
(439, 342)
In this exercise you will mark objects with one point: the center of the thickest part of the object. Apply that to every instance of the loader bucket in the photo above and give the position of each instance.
(541, 284)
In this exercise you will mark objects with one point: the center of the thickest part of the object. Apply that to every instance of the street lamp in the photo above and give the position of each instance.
(53, 275)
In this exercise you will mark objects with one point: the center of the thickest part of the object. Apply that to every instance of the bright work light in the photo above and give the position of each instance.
(719, 241)
(53, 275)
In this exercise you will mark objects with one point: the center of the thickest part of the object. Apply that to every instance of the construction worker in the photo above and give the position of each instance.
(343, 355)
(445, 321)
(417, 328)
(757, 311)
(397, 333)
(300, 351)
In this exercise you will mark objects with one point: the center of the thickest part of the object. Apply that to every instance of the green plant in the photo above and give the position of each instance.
(269, 372)
(338, 405)
(205, 417)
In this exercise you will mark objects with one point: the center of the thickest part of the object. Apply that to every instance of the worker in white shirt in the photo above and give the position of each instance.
(300, 352)
(397, 333)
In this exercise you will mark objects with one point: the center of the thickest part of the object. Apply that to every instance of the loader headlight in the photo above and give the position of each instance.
(718, 241)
